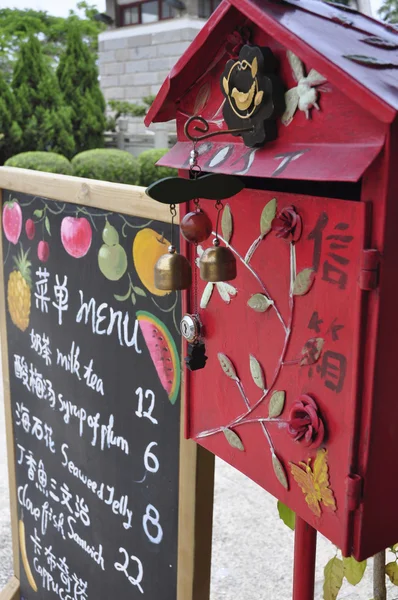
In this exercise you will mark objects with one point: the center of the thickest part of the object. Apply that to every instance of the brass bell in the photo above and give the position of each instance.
(173, 271)
(217, 264)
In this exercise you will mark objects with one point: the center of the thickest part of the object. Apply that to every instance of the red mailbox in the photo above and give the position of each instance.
(299, 388)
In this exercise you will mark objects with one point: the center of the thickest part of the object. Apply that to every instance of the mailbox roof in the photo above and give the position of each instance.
(320, 32)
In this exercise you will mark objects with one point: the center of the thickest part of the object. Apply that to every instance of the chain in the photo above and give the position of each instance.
(173, 213)
(219, 207)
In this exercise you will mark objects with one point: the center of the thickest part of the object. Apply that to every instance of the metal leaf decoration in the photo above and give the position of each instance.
(304, 281)
(276, 404)
(202, 98)
(279, 471)
(257, 372)
(234, 440)
(267, 216)
(227, 225)
(379, 42)
(226, 291)
(227, 366)
(207, 292)
(311, 351)
(259, 302)
(370, 61)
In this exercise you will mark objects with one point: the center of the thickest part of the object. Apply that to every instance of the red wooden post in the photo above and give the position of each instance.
(304, 560)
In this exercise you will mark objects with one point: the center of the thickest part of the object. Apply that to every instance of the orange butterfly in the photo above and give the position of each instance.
(315, 482)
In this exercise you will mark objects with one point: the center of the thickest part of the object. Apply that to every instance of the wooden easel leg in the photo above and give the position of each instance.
(304, 561)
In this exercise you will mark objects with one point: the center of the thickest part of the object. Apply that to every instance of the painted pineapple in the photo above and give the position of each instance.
(18, 291)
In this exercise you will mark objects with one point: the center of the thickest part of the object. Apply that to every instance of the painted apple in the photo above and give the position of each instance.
(30, 229)
(76, 235)
(12, 221)
(43, 251)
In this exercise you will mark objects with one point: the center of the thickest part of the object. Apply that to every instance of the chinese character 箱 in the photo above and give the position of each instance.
(333, 369)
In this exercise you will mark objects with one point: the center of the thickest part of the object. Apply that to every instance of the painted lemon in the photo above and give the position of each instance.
(148, 247)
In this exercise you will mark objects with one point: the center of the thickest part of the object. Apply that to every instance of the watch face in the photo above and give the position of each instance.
(189, 328)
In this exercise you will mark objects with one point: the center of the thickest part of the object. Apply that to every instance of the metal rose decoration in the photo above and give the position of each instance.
(288, 224)
(304, 422)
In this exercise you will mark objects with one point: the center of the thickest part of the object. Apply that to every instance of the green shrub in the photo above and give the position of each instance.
(149, 172)
(41, 161)
(118, 166)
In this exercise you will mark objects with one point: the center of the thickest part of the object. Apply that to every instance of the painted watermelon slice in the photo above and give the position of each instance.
(163, 351)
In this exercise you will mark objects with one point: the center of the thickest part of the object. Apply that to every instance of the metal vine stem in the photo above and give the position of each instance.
(243, 418)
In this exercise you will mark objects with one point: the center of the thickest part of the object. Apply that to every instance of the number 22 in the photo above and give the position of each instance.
(123, 567)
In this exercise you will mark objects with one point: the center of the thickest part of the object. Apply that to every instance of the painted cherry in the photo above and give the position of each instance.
(196, 227)
(12, 221)
(43, 251)
(76, 235)
(30, 229)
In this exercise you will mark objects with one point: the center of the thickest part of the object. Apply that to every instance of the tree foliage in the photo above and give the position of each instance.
(78, 79)
(389, 11)
(42, 114)
(10, 131)
(17, 25)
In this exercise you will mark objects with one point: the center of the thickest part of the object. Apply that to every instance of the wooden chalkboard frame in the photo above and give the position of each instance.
(196, 479)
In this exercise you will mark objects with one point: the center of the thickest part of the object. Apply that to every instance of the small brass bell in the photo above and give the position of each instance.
(217, 264)
(173, 271)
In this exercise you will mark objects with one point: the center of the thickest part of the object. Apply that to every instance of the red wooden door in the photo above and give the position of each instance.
(282, 340)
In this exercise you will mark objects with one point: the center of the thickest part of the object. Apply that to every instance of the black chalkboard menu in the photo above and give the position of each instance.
(94, 371)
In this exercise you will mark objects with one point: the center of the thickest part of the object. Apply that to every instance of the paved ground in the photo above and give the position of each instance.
(252, 551)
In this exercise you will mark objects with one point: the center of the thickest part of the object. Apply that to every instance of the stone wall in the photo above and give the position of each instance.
(134, 61)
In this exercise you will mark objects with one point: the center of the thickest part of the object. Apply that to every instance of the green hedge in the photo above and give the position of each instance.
(41, 161)
(149, 172)
(109, 165)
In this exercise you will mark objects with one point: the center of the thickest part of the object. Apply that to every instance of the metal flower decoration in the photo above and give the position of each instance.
(304, 423)
(288, 224)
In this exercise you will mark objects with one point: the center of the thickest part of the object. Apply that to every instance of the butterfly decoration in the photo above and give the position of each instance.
(304, 96)
(314, 482)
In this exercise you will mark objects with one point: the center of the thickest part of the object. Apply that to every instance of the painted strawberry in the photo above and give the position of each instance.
(30, 229)
(43, 251)
(12, 221)
(76, 235)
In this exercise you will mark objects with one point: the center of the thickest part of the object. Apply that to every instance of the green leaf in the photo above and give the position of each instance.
(38, 213)
(279, 471)
(276, 404)
(233, 439)
(227, 366)
(287, 515)
(334, 575)
(257, 372)
(133, 299)
(395, 548)
(122, 298)
(139, 291)
(227, 226)
(47, 224)
(259, 302)
(267, 216)
(353, 570)
(392, 572)
(304, 281)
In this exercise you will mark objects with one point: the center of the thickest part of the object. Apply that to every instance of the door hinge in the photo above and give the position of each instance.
(369, 273)
(354, 491)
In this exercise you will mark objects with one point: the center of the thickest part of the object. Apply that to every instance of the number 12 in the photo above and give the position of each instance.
(149, 395)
